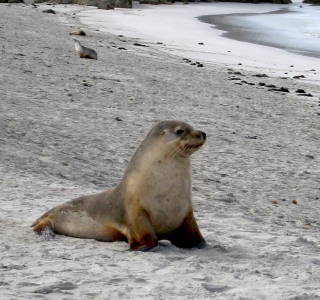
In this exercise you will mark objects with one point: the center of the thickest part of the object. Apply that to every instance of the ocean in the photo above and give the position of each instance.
(294, 28)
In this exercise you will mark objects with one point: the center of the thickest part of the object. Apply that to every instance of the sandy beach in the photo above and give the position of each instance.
(69, 127)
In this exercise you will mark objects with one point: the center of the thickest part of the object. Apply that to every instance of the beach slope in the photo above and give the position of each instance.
(69, 126)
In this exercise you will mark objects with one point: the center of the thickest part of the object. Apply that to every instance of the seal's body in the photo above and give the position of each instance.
(151, 202)
(84, 52)
(78, 32)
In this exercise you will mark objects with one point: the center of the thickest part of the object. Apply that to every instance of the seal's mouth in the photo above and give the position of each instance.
(193, 146)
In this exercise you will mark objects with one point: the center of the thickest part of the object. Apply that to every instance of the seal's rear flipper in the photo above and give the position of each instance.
(44, 228)
(42, 225)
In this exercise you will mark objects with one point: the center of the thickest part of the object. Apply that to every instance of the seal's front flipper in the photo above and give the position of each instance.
(145, 248)
(142, 234)
(188, 235)
(202, 245)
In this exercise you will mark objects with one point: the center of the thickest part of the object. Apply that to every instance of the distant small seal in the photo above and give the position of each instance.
(151, 202)
(78, 32)
(84, 52)
(49, 11)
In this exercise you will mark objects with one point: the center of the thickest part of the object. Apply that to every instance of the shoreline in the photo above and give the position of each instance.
(229, 24)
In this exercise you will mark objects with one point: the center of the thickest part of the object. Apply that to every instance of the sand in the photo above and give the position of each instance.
(61, 138)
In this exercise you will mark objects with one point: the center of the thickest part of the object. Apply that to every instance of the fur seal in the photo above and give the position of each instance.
(151, 202)
(84, 52)
(78, 32)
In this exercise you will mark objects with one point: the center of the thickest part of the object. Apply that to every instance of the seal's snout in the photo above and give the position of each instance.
(200, 134)
(204, 135)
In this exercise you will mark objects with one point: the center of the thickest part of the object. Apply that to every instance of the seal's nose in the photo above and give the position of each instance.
(204, 135)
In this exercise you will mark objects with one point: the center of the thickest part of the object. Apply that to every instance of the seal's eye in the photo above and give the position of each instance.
(180, 132)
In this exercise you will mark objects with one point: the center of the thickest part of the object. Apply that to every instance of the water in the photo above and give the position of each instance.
(294, 29)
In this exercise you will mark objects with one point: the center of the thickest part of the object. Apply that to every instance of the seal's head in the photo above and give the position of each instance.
(184, 138)
(175, 138)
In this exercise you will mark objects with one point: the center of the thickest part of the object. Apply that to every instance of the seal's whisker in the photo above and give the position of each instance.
(182, 149)
(175, 152)
(179, 151)
(172, 153)
(172, 141)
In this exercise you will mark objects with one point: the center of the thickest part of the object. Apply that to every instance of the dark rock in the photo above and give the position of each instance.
(285, 90)
(140, 45)
(282, 89)
(306, 95)
(309, 156)
(299, 76)
(300, 91)
(49, 11)
(260, 75)
(246, 82)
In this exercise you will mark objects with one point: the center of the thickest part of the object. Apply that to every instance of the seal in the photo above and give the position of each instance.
(151, 202)
(78, 32)
(83, 51)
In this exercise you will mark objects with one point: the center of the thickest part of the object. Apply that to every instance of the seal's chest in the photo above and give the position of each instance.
(168, 212)
(168, 204)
